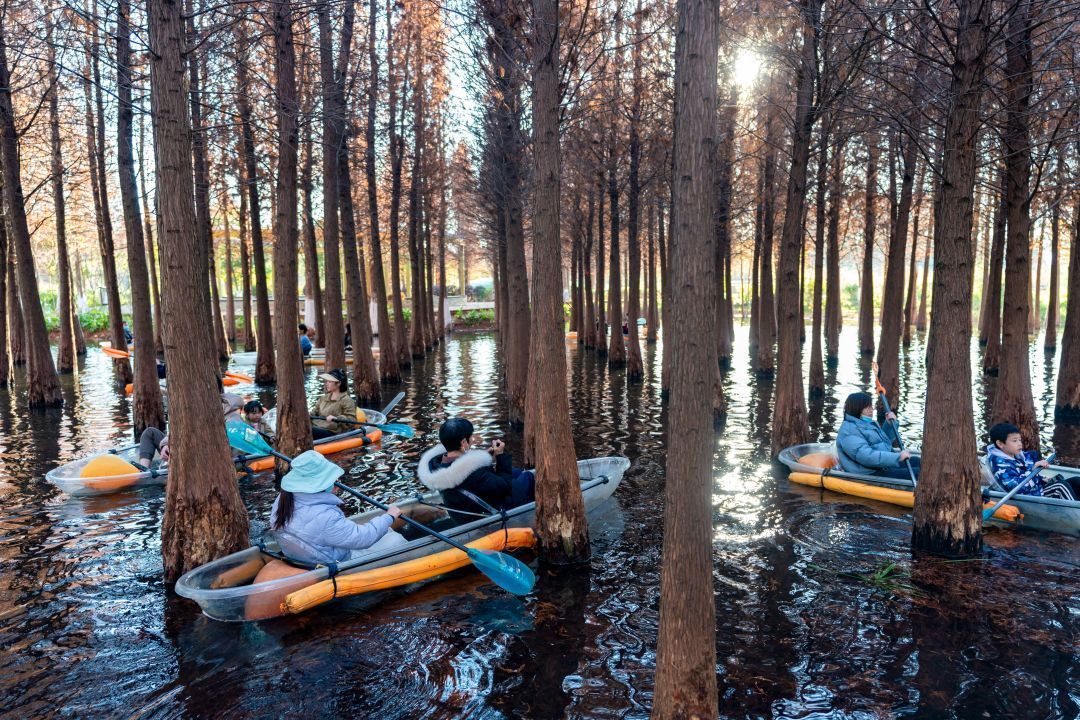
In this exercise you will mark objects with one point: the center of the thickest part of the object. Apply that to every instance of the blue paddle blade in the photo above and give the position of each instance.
(507, 572)
(405, 431)
(247, 439)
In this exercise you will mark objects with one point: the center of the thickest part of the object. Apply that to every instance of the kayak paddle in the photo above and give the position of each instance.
(392, 428)
(989, 513)
(393, 403)
(896, 425)
(507, 572)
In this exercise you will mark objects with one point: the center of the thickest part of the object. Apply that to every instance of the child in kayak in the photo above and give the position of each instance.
(253, 413)
(863, 447)
(334, 403)
(1010, 463)
(465, 476)
(308, 521)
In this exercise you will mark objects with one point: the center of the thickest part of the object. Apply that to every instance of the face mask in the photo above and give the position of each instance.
(867, 418)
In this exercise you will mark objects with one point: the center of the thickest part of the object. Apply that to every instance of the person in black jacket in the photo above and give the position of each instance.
(466, 476)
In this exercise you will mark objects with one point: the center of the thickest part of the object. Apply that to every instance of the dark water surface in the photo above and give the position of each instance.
(87, 628)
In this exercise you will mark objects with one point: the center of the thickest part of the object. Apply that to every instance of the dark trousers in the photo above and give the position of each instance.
(149, 442)
(321, 433)
(900, 473)
(522, 488)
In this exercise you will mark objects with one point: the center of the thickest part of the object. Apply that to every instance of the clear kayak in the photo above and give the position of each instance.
(226, 591)
(76, 478)
(807, 464)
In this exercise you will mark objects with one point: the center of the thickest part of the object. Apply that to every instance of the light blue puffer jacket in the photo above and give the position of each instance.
(863, 447)
(319, 532)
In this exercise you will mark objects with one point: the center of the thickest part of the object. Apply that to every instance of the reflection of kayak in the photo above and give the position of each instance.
(225, 589)
(808, 462)
(95, 475)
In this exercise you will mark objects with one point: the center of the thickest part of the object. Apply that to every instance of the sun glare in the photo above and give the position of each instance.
(747, 68)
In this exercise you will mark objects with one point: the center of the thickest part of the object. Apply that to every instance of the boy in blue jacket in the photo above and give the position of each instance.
(1010, 463)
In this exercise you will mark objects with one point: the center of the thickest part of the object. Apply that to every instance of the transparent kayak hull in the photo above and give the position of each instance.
(68, 477)
(599, 479)
(1039, 513)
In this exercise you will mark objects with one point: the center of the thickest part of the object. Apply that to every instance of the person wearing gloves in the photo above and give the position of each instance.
(863, 447)
(308, 521)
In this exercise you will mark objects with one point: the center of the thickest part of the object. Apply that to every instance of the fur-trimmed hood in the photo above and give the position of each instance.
(446, 478)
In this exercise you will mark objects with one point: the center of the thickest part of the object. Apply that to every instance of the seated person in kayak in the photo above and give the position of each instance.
(153, 440)
(1010, 463)
(334, 403)
(863, 447)
(466, 477)
(253, 413)
(305, 341)
(308, 521)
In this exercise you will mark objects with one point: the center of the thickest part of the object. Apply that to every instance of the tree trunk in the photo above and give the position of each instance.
(589, 339)
(790, 423)
(42, 382)
(635, 369)
(1067, 402)
(196, 70)
(946, 518)
(601, 308)
(389, 372)
(686, 649)
(147, 407)
(562, 529)
(230, 303)
(16, 327)
(397, 156)
(1053, 301)
(312, 284)
(920, 319)
(265, 372)
(616, 351)
(7, 302)
(833, 311)
(866, 285)
(652, 317)
(294, 423)
(992, 302)
(816, 385)
(1036, 291)
(909, 301)
(1012, 397)
(95, 146)
(416, 270)
(766, 336)
(65, 355)
(333, 130)
(148, 234)
(245, 264)
(204, 515)
(724, 170)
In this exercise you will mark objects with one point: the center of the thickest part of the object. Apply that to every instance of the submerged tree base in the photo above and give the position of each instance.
(929, 540)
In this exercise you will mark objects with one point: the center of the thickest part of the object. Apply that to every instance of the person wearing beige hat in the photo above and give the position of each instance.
(335, 402)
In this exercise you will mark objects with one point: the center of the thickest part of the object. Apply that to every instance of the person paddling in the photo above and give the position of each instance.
(308, 521)
(465, 476)
(863, 447)
(335, 402)
(1010, 463)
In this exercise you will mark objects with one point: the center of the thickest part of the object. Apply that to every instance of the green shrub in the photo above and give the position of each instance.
(94, 320)
(472, 318)
(48, 300)
(52, 322)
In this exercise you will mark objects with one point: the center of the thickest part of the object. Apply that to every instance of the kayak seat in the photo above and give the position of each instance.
(823, 460)
(107, 465)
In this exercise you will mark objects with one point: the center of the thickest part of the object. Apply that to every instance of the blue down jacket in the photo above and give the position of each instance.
(863, 447)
